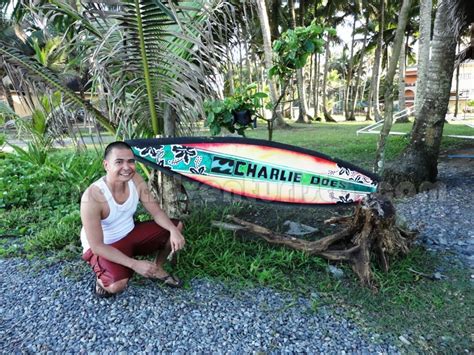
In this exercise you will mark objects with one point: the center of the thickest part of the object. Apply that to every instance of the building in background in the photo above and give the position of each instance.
(465, 91)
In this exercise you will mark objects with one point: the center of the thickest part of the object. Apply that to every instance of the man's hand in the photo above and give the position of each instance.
(176, 240)
(145, 268)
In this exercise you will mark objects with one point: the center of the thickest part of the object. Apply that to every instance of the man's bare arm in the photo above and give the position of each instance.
(91, 218)
(159, 216)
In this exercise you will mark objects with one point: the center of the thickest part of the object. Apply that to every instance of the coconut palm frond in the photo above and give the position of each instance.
(197, 52)
(145, 56)
(36, 73)
(142, 22)
(170, 56)
(460, 14)
(66, 9)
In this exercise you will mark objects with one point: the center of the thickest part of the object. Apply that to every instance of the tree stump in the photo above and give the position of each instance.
(370, 233)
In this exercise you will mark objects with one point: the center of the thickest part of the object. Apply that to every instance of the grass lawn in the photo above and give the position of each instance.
(341, 140)
(39, 217)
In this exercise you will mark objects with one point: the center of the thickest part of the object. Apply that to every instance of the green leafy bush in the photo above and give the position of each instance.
(59, 182)
(63, 231)
(220, 113)
(39, 205)
(294, 47)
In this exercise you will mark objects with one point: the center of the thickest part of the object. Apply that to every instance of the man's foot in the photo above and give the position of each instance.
(101, 292)
(170, 281)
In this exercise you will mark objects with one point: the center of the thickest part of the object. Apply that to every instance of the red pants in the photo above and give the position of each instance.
(145, 239)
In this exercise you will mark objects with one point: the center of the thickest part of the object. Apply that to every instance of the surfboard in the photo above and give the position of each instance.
(257, 169)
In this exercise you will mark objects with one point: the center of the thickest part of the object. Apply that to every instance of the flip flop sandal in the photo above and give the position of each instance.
(170, 281)
(100, 292)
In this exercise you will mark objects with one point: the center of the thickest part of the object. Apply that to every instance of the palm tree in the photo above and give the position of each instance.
(350, 90)
(143, 58)
(332, 17)
(361, 64)
(418, 162)
(376, 71)
(388, 87)
(303, 116)
(426, 8)
(9, 36)
(268, 55)
(401, 82)
(150, 63)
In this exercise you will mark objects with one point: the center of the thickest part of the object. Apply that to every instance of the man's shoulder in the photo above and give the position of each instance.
(139, 182)
(93, 194)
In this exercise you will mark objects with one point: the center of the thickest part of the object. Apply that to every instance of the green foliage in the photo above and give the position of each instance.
(220, 113)
(149, 58)
(34, 153)
(39, 206)
(38, 72)
(53, 185)
(63, 232)
(6, 113)
(51, 53)
(293, 48)
(41, 140)
(423, 310)
(79, 170)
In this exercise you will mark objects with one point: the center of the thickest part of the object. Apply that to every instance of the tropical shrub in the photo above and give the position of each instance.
(222, 113)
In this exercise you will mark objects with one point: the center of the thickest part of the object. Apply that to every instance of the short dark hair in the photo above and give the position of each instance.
(116, 145)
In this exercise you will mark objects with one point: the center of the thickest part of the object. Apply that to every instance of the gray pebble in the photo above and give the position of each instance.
(206, 318)
(444, 216)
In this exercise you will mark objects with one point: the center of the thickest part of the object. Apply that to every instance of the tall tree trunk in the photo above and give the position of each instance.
(275, 19)
(418, 163)
(359, 72)
(377, 63)
(310, 85)
(229, 89)
(267, 49)
(401, 83)
(303, 116)
(317, 67)
(247, 44)
(368, 116)
(456, 104)
(388, 87)
(348, 97)
(316, 85)
(241, 57)
(327, 115)
(426, 7)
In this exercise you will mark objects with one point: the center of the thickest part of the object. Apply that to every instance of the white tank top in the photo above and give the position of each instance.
(119, 222)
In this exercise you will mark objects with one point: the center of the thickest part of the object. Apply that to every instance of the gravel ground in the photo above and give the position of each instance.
(42, 311)
(445, 216)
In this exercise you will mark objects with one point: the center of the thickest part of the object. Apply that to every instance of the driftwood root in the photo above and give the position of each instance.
(370, 233)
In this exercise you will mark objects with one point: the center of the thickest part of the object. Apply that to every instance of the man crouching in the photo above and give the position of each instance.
(110, 237)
